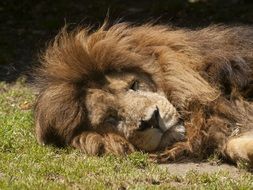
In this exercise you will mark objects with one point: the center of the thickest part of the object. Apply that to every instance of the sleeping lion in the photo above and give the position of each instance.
(170, 92)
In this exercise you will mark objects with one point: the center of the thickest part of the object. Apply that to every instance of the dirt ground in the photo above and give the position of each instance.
(205, 167)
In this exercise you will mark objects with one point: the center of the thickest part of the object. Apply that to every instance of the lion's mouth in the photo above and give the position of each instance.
(152, 122)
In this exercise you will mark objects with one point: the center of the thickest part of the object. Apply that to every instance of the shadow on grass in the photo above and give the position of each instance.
(27, 25)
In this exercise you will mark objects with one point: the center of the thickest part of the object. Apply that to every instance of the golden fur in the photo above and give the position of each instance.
(203, 78)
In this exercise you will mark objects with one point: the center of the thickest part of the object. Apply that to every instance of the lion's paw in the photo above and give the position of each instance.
(117, 145)
(95, 144)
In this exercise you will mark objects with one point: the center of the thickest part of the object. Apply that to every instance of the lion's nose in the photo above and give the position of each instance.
(152, 122)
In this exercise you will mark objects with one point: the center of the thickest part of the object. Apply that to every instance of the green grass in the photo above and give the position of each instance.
(26, 165)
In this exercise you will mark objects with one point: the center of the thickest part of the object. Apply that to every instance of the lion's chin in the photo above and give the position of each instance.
(152, 139)
(148, 140)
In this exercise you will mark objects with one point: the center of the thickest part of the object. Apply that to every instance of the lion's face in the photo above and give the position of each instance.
(130, 104)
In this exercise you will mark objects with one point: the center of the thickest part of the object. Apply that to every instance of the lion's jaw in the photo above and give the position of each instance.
(142, 115)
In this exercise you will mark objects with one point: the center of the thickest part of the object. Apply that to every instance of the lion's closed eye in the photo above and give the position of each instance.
(141, 85)
(135, 85)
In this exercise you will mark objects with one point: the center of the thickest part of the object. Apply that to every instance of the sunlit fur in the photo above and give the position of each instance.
(205, 75)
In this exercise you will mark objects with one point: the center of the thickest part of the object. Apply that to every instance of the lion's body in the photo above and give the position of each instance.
(202, 77)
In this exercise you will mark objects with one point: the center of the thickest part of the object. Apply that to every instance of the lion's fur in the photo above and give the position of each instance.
(207, 74)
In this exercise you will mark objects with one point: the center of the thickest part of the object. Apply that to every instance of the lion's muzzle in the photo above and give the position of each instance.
(152, 122)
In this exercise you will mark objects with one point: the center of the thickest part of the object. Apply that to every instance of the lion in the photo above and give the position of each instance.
(171, 92)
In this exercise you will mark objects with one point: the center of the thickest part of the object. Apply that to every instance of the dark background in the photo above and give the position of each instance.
(26, 25)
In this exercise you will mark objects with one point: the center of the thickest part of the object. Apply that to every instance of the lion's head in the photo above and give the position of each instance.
(100, 82)
(128, 103)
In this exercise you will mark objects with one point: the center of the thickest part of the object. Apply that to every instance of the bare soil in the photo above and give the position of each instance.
(205, 167)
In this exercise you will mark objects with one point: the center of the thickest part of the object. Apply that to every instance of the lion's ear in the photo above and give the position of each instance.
(58, 115)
